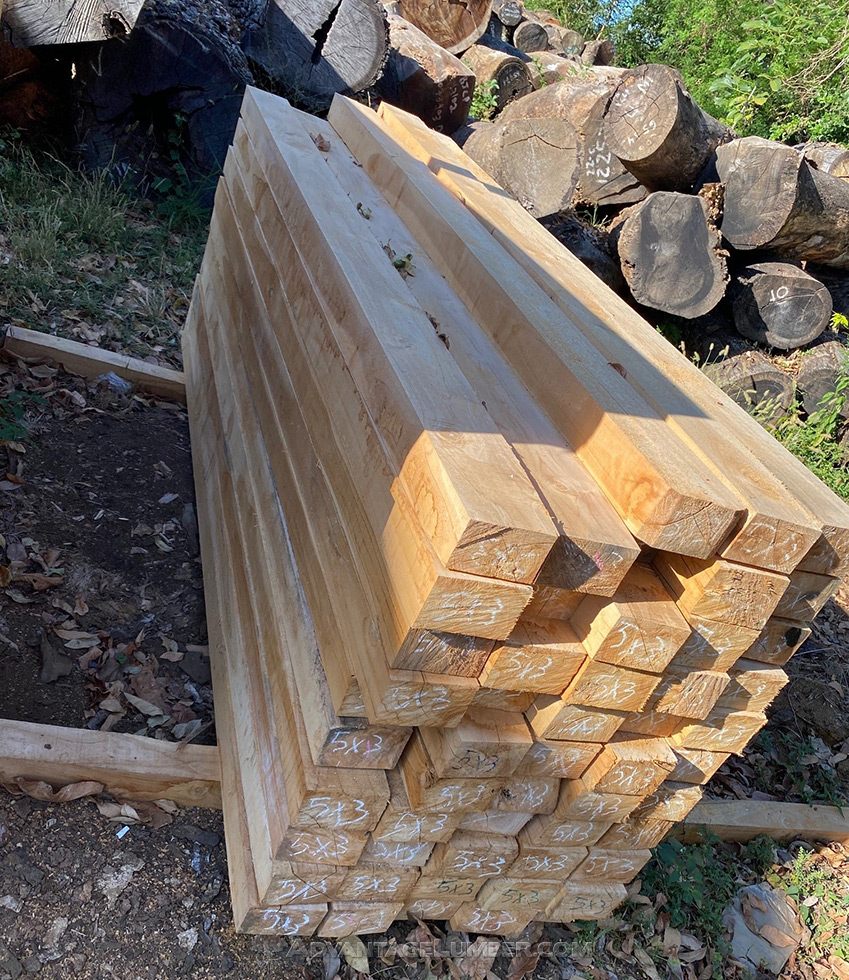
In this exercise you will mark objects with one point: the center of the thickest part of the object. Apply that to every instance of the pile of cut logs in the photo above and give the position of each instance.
(495, 577)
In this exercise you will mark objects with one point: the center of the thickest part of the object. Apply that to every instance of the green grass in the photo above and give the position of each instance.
(80, 258)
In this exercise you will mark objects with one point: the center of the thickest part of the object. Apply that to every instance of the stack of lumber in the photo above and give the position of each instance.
(496, 579)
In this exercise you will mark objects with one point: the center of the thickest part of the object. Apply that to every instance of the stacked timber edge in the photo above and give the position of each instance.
(492, 589)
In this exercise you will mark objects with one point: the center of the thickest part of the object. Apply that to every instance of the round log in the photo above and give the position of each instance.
(545, 68)
(598, 52)
(569, 43)
(530, 36)
(671, 254)
(509, 12)
(820, 370)
(774, 200)
(511, 75)
(581, 98)
(536, 160)
(830, 158)
(658, 132)
(314, 50)
(174, 85)
(425, 79)
(454, 26)
(751, 380)
(779, 304)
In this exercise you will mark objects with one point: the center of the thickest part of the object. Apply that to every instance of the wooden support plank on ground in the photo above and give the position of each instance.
(620, 439)
(742, 820)
(91, 362)
(130, 767)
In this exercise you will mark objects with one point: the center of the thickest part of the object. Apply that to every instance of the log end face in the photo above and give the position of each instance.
(642, 112)
(760, 179)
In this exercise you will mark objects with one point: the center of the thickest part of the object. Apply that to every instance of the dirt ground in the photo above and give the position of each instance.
(102, 625)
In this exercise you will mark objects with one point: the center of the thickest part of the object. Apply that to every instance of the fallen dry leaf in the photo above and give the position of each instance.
(354, 951)
(523, 963)
(478, 958)
(39, 790)
(5, 576)
(41, 583)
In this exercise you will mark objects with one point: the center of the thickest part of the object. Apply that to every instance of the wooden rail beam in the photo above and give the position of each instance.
(742, 820)
(91, 362)
(130, 767)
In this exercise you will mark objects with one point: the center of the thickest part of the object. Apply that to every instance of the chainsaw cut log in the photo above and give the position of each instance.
(425, 79)
(454, 26)
(779, 304)
(28, 23)
(671, 254)
(658, 132)
(316, 48)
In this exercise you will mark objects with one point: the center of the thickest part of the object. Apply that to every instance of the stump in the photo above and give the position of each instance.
(530, 36)
(314, 50)
(671, 254)
(454, 26)
(779, 304)
(753, 381)
(425, 79)
(655, 128)
(774, 200)
(536, 160)
(581, 99)
(510, 74)
(820, 370)
(163, 104)
(830, 158)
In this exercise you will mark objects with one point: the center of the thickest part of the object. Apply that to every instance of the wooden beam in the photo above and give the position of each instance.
(778, 528)
(131, 767)
(91, 362)
(741, 820)
(662, 492)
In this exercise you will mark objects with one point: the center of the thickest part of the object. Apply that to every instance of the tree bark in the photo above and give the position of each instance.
(820, 370)
(752, 380)
(536, 160)
(658, 132)
(581, 98)
(28, 23)
(671, 254)
(829, 158)
(779, 304)
(314, 50)
(774, 200)
(170, 93)
(425, 79)
(454, 26)
(511, 75)
(530, 36)
(589, 245)
(598, 53)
